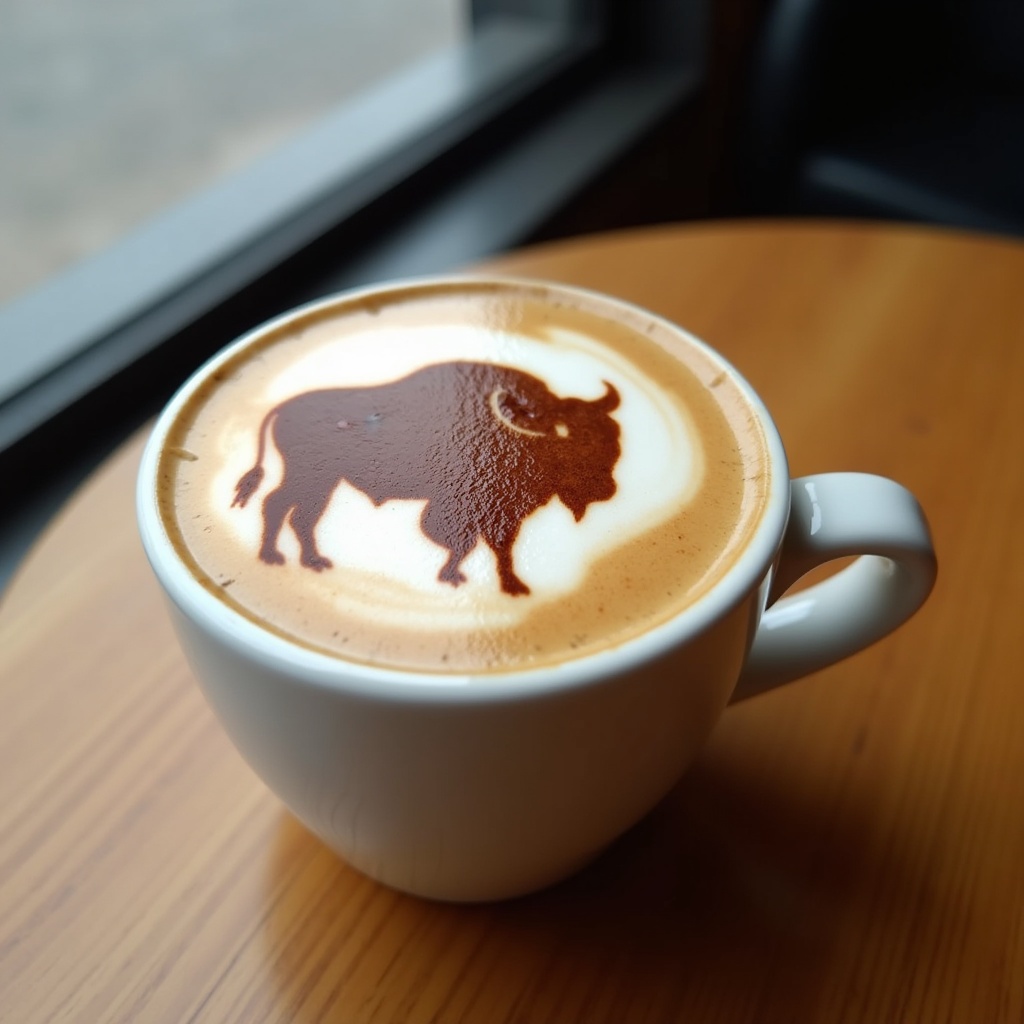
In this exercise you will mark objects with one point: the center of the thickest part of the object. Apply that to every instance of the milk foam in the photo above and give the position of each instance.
(385, 571)
(690, 483)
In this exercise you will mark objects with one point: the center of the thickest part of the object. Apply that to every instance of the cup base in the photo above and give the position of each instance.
(472, 885)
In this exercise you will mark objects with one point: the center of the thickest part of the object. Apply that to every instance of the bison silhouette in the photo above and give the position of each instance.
(484, 445)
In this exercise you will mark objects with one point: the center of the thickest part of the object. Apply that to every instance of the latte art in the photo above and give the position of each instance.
(463, 477)
(453, 435)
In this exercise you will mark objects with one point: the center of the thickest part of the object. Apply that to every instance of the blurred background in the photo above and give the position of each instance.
(113, 110)
(172, 174)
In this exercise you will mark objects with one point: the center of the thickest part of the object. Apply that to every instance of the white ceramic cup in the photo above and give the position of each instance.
(463, 789)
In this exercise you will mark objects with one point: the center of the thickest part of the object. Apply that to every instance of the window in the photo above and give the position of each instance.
(112, 110)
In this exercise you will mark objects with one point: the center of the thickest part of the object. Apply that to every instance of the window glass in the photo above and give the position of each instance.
(110, 110)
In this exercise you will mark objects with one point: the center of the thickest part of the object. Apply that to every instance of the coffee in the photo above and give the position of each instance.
(467, 477)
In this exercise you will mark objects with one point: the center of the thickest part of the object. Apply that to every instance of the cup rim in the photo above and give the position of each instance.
(304, 665)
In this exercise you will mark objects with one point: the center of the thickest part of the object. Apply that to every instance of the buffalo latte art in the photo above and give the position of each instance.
(466, 477)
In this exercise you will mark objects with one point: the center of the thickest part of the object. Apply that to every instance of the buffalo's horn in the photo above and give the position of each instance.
(609, 401)
(501, 416)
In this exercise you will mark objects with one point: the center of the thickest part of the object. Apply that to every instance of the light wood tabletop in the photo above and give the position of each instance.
(848, 848)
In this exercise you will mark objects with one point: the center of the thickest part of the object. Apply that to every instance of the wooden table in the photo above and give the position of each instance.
(850, 848)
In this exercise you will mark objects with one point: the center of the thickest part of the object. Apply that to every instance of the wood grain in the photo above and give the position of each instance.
(850, 848)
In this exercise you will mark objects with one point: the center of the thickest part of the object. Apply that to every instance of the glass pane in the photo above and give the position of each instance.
(110, 110)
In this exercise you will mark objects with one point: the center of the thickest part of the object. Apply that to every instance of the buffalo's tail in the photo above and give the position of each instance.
(249, 483)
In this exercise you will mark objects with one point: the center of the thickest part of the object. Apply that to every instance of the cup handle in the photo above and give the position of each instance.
(833, 515)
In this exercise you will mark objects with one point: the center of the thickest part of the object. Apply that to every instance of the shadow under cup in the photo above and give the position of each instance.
(477, 783)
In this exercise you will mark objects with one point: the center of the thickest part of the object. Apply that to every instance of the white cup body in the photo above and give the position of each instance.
(463, 788)
(470, 799)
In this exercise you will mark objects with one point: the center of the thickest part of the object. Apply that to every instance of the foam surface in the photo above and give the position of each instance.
(384, 548)
(382, 599)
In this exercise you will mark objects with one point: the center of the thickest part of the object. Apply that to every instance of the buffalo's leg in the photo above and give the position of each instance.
(275, 507)
(305, 515)
(510, 582)
(444, 530)
(305, 512)
(500, 534)
(450, 571)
